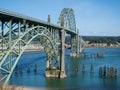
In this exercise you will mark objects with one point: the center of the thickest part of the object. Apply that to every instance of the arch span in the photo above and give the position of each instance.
(18, 45)
(69, 18)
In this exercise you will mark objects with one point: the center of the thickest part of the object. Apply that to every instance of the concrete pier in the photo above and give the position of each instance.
(53, 71)
(58, 72)
(62, 57)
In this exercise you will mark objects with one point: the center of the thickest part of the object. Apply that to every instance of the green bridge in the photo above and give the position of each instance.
(17, 31)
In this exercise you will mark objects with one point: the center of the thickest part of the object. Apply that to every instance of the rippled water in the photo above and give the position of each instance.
(74, 80)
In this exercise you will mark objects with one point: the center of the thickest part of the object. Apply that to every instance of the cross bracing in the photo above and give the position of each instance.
(17, 31)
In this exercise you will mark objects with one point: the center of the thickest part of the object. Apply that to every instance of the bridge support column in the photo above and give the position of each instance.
(78, 44)
(58, 71)
(62, 55)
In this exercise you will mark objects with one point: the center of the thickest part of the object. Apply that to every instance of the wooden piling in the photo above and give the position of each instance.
(91, 69)
(20, 69)
(83, 68)
(35, 68)
(28, 68)
(100, 71)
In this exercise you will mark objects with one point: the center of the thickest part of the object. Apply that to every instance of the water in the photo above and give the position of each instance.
(74, 80)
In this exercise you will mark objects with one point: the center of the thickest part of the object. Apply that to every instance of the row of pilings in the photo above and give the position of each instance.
(92, 55)
(103, 71)
(88, 55)
(107, 72)
(91, 69)
(27, 68)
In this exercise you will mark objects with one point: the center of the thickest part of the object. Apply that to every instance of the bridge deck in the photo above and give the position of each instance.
(6, 15)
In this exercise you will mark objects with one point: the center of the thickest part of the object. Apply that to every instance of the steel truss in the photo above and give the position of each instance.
(69, 22)
(14, 42)
(17, 31)
(69, 18)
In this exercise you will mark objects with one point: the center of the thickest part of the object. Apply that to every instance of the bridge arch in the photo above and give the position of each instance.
(19, 45)
(69, 18)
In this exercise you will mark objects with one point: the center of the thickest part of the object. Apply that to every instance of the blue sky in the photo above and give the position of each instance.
(93, 17)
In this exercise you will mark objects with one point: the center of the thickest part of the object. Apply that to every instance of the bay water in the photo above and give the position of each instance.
(75, 79)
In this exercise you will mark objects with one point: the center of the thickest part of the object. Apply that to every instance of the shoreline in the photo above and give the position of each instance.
(99, 47)
(15, 87)
(31, 51)
(27, 88)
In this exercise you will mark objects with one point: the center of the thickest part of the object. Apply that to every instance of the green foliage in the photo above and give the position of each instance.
(101, 39)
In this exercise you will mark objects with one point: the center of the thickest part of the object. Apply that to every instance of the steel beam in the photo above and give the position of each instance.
(28, 28)
(2, 35)
(19, 31)
(10, 44)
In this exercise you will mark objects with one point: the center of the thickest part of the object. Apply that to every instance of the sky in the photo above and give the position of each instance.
(93, 17)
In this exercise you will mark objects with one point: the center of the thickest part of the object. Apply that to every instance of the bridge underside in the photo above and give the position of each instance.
(17, 31)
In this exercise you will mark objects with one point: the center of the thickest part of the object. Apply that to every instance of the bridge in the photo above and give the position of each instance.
(17, 31)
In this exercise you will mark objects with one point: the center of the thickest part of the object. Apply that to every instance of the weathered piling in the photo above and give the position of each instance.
(100, 71)
(93, 55)
(108, 72)
(16, 69)
(104, 72)
(100, 55)
(35, 68)
(83, 68)
(20, 69)
(76, 68)
(28, 68)
(91, 69)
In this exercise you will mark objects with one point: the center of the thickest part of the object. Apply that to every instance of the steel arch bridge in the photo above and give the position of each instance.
(17, 31)
(69, 18)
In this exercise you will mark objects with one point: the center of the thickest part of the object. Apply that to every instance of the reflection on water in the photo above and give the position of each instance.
(76, 78)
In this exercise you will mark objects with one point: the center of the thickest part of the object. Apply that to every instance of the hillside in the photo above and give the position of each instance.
(98, 39)
(101, 39)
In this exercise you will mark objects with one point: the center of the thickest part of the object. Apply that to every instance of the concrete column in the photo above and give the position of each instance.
(48, 19)
(78, 44)
(62, 58)
(10, 44)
